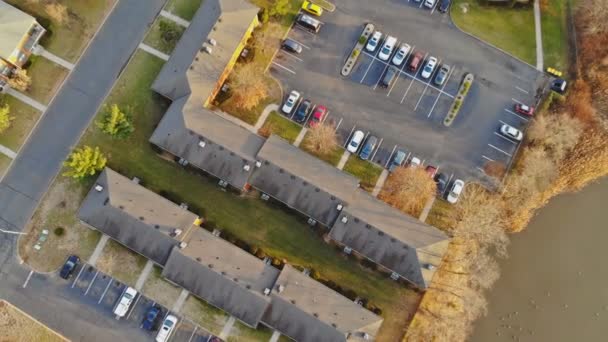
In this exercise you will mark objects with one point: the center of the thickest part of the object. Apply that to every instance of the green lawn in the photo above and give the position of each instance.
(4, 164)
(184, 9)
(154, 39)
(333, 158)
(367, 172)
(243, 333)
(509, 29)
(555, 35)
(46, 78)
(25, 117)
(68, 39)
(281, 126)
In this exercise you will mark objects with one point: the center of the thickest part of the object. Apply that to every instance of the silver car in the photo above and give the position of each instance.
(456, 190)
(511, 132)
(403, 51)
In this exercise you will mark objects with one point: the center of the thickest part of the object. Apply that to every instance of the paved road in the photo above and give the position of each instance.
(40, 160)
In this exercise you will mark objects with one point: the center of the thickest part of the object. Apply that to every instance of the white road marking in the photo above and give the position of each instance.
(395, 82)
(407, 90)
(283, 67)
(519, 116)
(447, 188)
(421, 2)
(104, 291)
(376, 151)
(349, 134)
(522, 90)
(434, 7)
(427, 84)
(304, 46)
(487, 158)
(91, 283)
(517, 101)
(292, 55)
(78, 276)
(339, 123)
(366, 71)
(505, 138)
(442, 87)
(390, 156)
(27, 280)
(303, 29)
(133, 306)
(193, 332)
(499, 150)
(381, 75)
(480, 169)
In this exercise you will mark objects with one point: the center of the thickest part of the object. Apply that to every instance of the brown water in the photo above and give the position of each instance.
(554, 286)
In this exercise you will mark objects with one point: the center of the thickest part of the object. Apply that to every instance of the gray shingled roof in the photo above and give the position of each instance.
(135, 216)
(223, 275)
(228, 147)
(391, 238)
(14, 25)
(302, 181)
(308, 311)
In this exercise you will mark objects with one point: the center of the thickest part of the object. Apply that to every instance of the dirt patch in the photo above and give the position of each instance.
(15, 325)
(57, 214)
(160, 290)
(120, 262)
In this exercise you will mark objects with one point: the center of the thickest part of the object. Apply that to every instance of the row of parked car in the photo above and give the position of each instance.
(444, 5)
(303, 108)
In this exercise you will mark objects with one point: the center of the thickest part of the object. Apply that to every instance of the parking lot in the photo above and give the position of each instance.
(409, 114)
(101, 291)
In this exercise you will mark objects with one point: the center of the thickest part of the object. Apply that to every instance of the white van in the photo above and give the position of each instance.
(387, 48)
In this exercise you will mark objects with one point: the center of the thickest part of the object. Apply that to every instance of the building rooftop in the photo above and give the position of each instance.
(14, 25)
(135, 216)
(391, 238)
(308, 311)
(223, 275)
(302, 181)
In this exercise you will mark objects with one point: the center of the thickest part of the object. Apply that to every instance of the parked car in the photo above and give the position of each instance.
(511, 132)
(429, 67)
(355, 141)
(524, 109)
(318, 115)
(559, 86)
(442, 74)
(429, 3)
(166, 329)
(150, 318)
(302, 111)
(387, 48)
(69, 266)
(368, 147)
(372, 43)
(312, 8)
(389, 77)
(455, 191)
(398, 159)
(124, 302)
(431, 170)
(291, 102)
(309, 23)
(415, 162)
(291, 46)
(399, 57)
(441, 179)
(415, 61)
(444, 6)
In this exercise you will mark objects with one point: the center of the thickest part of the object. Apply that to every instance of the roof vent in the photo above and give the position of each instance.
(135, 180)
(395, 276)
(430, 267)
(348, 250)
(316, 315)
(266, 291)
(216, 232)
(265, 197)
(98, 188)
(344, 219)
(281, 288)
(210, 265)
(183, 206)
(366, 336)
(213, 42)
(199, 259)
(258, 164)
(177, 232)
(208, 49)
(247, 167)
(183, 245)
(201, 143)
(339, 207)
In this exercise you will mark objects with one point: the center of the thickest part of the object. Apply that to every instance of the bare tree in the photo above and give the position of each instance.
(408, 189)
(322, 139)
(248, 88)
(20, 80)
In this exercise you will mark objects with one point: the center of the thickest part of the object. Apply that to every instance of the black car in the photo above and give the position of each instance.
(559, 85)
(389, 77)
(442, 182)
(291, 46)
(444, 5)
(69, 266)
(303, 111)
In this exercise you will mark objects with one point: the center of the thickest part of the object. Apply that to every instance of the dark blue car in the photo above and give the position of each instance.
(150, 318)
(69, 266)
(368, 148)
(303, 111)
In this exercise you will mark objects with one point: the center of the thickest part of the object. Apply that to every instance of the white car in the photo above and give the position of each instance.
(415, 162)
(166, 329)
(429, 67)
(403, 51)
(387, 48)
(355, 142)
(511, 132)
(372, 43)
(291, 102)
(429, 3)
(122, 307)
(456, 190)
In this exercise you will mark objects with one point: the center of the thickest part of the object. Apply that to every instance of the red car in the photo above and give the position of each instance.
(431, 170)
(524, 110)
(317, 115)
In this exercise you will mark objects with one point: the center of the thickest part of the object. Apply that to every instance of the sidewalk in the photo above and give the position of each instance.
(539, 37)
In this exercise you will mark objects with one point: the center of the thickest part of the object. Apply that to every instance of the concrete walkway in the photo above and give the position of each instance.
(40, 51)
(176, 19)
(300, 137)
(237, 121)
(275, 336)
(154, 52)
(227, 327)
(26, 99)
(539, 37)
(98, 249)
(7, 152)
(343, 160)
(380, 183)
(144, 275)
(265, 113)
(427, 209)
(179, 303)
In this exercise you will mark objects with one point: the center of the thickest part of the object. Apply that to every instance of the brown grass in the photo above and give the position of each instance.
(17, 326)
(121, 263)
(160, 290)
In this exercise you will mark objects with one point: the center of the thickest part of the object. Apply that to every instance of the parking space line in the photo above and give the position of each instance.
(283, 67)
(499, 150)
(505, 138)
(480, 169)
(193, 332)
(517, 115)
(292, 55)
(390, 90)
(303, 29)
(133, 306)
(339, 123)
(434, 7)
(348, 136)
(421, 2)
(78, 276)
(377, 148)
(487, 158)
(407, 90)
(91, 283)
(517, 101)
(438, 96)
(366, 71)
(304, 46)
(105, 291)
(447, 188)
(522, 90)
(381, 75)
(427, 84)
(390, 156)
(27, 280)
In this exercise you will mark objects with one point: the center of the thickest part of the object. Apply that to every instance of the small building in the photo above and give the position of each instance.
(302, 181)
(397, 242)
(19, 35)
(308, 311)
(135, 217)
(223, 275)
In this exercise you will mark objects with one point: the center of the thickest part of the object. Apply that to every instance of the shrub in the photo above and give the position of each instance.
(5, 118)
(362, 40)
(59, 231)
(355, 53)
(263, 16)
(116, 123)
(169, 31)
(85, 161)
